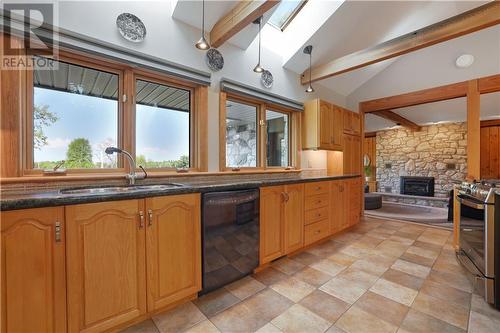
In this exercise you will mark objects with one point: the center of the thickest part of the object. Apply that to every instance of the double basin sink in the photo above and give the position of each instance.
(118, 189)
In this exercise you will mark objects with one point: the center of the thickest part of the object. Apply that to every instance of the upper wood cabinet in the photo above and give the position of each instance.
(281, 220)
(106, 264)
(322, 125)
(33, 270)
(352, 122)
(173, 248)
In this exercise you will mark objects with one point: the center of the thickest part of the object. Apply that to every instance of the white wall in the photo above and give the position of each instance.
(434, 66)
(174, 41)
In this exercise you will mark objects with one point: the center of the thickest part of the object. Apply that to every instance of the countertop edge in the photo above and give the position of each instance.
(55, 199)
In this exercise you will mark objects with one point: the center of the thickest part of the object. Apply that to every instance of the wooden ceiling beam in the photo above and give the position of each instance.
(243, 14)
(476, 19)
(489, 84)
(430, 95)
(399, 120)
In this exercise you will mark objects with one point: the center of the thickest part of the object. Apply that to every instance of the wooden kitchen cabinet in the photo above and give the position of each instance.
(33, 270)
(352, 154)
(173, 248)
(352, 122)
(106, 255)
(322, 126)
(294, 217)
(281, 220)
(339, 207)
(354, 198)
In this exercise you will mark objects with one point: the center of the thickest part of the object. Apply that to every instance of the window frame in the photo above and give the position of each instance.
(97, 64)
(290, 17)
(262, 106)
(126, 116)
(144, 76)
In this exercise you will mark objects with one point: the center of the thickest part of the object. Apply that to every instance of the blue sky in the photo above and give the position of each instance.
(161, 134)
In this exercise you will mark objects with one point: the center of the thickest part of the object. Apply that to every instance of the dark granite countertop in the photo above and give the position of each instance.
(56, 198)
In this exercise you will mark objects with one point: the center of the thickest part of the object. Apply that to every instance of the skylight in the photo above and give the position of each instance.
(286, 11)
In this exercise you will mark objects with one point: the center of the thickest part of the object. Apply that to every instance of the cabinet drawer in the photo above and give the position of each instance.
(317, 188)
(314, 215)
(316, 231)
(316, 201)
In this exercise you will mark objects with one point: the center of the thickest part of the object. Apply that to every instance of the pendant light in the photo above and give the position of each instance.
(308, 50)
(202, 44)
(258, 68)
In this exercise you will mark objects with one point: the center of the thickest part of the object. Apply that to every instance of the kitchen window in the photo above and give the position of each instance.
(79, 107)
(75, 116)
(162, 114)
(256, 135)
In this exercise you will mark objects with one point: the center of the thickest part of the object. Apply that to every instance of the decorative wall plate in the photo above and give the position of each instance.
(214, 60)
(131, 27)
(266, 78)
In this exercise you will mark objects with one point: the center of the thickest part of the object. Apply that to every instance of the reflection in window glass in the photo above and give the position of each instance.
(162, 125)
(277, 139)
(241, 135)
(75, 117)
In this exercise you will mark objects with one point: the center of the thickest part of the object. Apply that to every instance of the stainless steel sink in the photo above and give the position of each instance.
(119, 189)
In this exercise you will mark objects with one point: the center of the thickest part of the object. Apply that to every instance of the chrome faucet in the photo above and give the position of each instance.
(132, 176)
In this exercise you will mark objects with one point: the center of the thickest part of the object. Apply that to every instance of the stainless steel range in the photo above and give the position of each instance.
(479, 235)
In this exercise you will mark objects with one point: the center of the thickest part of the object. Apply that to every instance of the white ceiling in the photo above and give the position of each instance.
(453, 110)
(357, 25)
(190, 12)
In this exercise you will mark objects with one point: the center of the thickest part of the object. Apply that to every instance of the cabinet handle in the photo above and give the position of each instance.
(150, 217)
(57, 232)
(285, 196)
(141, 220)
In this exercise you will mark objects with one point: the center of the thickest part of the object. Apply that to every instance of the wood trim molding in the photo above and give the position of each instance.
(370, 134)
(489, 84)
(222, 131)
(399, 120)
(473, 130)
(201, 114)
(243, 14)
(476, 19)
(490, 123)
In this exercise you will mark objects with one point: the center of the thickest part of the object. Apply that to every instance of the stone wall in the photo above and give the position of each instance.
(438, 151)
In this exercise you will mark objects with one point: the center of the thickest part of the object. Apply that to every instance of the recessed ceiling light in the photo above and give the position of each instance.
(464, 61)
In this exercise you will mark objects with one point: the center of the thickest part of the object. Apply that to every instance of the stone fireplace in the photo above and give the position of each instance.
(421, 186)
(437, 151)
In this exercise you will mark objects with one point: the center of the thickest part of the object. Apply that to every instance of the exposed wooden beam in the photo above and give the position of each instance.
(243, 14)
(489, 84)
(399, 120)
(476, 19)
(436, 94)
(473, 130)
(370, 134)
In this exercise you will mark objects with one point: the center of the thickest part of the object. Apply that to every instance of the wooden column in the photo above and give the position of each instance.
(473, 131)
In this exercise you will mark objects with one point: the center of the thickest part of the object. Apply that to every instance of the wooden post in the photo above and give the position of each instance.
(473, 131)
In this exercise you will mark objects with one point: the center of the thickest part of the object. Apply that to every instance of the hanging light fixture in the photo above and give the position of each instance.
(202, 44)
(258, 68)
(308, 50)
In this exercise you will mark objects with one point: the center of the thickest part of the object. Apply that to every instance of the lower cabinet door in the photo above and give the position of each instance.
(106, 264)
(337, 206)
(355, 197)
(173, 248)
(294, 217)
(272, 243)
(33, 270)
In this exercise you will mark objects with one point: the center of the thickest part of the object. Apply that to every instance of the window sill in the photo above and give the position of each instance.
(151, 174)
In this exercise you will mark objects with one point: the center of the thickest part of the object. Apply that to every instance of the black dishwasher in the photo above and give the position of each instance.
(230, 235)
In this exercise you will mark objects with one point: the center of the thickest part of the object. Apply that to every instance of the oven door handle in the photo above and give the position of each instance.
(470, 204)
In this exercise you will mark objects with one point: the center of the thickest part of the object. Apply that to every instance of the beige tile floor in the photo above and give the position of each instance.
(381, 276)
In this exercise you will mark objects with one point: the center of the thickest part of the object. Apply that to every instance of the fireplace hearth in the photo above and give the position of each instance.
(422, 186)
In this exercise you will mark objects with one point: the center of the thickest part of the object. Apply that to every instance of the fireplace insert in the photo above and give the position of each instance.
(422, 186)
